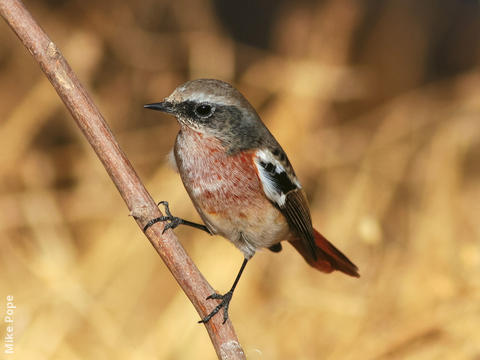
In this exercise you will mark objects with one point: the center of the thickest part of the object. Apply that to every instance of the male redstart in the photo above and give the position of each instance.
(240, 180)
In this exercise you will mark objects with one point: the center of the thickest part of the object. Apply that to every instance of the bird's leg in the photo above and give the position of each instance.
(173, 221)
(225, 298)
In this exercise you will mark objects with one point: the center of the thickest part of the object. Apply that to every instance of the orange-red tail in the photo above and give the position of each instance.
(329, 258)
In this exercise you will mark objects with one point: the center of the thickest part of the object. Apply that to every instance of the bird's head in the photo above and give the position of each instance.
(215, 108)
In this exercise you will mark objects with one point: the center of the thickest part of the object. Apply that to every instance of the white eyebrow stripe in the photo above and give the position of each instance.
(200, 97)
(211, 98)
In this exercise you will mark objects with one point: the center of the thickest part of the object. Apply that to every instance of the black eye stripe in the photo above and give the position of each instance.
(204, 110)
(194, 110)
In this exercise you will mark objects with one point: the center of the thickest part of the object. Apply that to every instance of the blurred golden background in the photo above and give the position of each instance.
(377, 104)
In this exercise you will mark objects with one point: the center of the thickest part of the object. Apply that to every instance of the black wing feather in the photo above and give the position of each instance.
(298, 216)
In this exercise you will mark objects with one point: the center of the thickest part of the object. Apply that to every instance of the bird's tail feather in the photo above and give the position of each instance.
(329, 258)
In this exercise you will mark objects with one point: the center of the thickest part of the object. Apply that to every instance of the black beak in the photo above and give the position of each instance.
(164, 106)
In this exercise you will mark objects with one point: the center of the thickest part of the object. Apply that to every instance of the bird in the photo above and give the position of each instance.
(240, 180)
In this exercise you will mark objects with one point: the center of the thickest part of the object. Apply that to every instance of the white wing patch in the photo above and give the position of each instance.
(276, 181)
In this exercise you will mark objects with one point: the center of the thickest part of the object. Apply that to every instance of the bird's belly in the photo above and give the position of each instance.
(229, 197)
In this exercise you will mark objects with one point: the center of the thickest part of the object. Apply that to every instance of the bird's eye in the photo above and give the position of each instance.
(204, 110)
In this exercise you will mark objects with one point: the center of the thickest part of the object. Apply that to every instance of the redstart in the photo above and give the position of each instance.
(240, 180)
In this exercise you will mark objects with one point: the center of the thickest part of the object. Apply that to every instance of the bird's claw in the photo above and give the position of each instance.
(166, 206)
(172, 221)
(223, 304)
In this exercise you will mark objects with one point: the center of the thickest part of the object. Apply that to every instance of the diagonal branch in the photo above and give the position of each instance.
(140, 203)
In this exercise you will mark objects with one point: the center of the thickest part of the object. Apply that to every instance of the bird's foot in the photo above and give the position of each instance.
(223, 304)
(172, 221)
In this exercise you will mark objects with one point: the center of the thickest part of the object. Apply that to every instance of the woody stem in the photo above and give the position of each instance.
(142, 207)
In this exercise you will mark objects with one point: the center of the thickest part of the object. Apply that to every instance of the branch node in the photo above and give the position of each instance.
(231, 350)
(142, 213)
(59, 71)
(52, 50)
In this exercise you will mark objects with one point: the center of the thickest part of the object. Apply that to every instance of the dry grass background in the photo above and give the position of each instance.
(377, 104)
